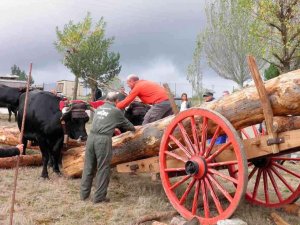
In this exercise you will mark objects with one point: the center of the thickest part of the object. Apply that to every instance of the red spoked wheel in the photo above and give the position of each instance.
(273, 181)
(192, 176)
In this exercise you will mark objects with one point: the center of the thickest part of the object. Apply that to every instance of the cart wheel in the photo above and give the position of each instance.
(192, 175)
(273, 181)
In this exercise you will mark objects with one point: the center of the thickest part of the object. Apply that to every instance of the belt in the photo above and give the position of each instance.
(93, 132)
(165, 101)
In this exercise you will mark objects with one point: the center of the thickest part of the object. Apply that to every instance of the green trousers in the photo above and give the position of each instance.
(98, 156)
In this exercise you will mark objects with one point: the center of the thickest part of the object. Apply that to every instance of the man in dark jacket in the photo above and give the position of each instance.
(98, 153)
(11, 151)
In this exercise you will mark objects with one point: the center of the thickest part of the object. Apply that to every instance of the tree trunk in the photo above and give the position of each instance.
(241, 108)
(75, 88)
(25, 160)
(9, 136)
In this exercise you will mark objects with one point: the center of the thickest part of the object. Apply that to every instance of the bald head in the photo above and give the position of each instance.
(131, 80)
(112, 97)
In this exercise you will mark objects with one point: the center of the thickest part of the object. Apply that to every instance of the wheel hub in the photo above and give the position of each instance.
(196, 167)
(261, 163)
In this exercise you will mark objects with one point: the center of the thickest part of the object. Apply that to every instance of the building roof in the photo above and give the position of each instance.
(9, 76)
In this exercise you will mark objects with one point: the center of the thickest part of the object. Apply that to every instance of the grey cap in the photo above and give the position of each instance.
(207, 93)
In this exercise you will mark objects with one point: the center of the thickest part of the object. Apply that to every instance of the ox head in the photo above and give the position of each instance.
(75, 119)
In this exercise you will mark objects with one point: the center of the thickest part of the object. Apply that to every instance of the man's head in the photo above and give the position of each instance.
(131, 80)
(208, 96)
(122, 89)
(112, 97)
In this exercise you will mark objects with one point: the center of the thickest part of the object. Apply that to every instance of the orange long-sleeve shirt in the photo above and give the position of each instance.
(149, 92)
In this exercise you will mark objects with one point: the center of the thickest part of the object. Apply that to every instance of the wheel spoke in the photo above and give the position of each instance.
(216, 153)
(205, 200)
(174, 155)
(180, 182)
(282, 179)
(196, 195)
(203, 135)
(255, 131)
(212, 141)
(279, 196)
(233, 180)
(266, 188)
(252, 173)
(175, 169)
(254, 193)
(220, 187)
(195, 134)
(228, 163)
(187, 191)
(285, 169)
(186, 138)
(245, 133)
(178, 143)
(214, 196)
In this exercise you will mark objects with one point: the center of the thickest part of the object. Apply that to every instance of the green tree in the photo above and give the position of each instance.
(15, 70)
(87, 52)
(228, 41)
(194, 73)
(278, 23)
(271, 72)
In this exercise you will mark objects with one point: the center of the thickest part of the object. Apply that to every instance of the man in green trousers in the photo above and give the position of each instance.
(98, 153)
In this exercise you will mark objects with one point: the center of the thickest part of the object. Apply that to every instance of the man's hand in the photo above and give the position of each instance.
(117, 132)
(20, 147)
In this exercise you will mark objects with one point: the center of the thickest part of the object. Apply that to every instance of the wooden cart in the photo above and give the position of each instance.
(207, 167)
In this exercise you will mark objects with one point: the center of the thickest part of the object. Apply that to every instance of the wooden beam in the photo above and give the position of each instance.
(265, 102)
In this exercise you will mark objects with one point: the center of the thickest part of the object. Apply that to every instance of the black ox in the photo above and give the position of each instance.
(9, 98)
(43, 125)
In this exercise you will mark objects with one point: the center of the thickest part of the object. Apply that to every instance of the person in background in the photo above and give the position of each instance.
(185, 104)
(11, 151)
(150, 93)
(208, 96)
(98, 153)
(225, 93)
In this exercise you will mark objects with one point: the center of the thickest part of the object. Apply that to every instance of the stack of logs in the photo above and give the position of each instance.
(242, 109)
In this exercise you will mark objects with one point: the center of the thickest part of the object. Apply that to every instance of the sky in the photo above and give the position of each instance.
(155, 38)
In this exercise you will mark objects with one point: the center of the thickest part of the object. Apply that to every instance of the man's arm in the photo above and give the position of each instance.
(124, 123)
(122, 104)
(9, 152)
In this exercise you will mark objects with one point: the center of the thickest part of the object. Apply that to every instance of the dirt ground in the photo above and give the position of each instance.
(56, 201)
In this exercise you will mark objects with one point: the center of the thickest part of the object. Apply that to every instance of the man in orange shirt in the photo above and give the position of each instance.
(150, 93)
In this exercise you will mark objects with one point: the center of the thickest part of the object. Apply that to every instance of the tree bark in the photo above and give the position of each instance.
(241, 108)
(25, 160)
(9, 136)
(75, 88)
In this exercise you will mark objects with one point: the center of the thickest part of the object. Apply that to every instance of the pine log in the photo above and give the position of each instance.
(9, 136)
(25, 160)
(242, 109)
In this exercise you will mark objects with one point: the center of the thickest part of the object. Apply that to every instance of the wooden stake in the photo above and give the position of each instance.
(265, 103)
(20, 142)
(171, 99)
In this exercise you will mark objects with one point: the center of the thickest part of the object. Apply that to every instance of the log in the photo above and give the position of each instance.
(25, 160)
(278, 220)
(9, 136)
(242, 109)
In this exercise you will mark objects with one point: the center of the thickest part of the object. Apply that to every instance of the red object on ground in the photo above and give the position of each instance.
(96, 104)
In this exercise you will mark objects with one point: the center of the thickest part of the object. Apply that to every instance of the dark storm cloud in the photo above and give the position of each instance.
(152, 36)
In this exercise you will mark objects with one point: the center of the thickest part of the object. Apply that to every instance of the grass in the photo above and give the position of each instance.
(56, 201)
